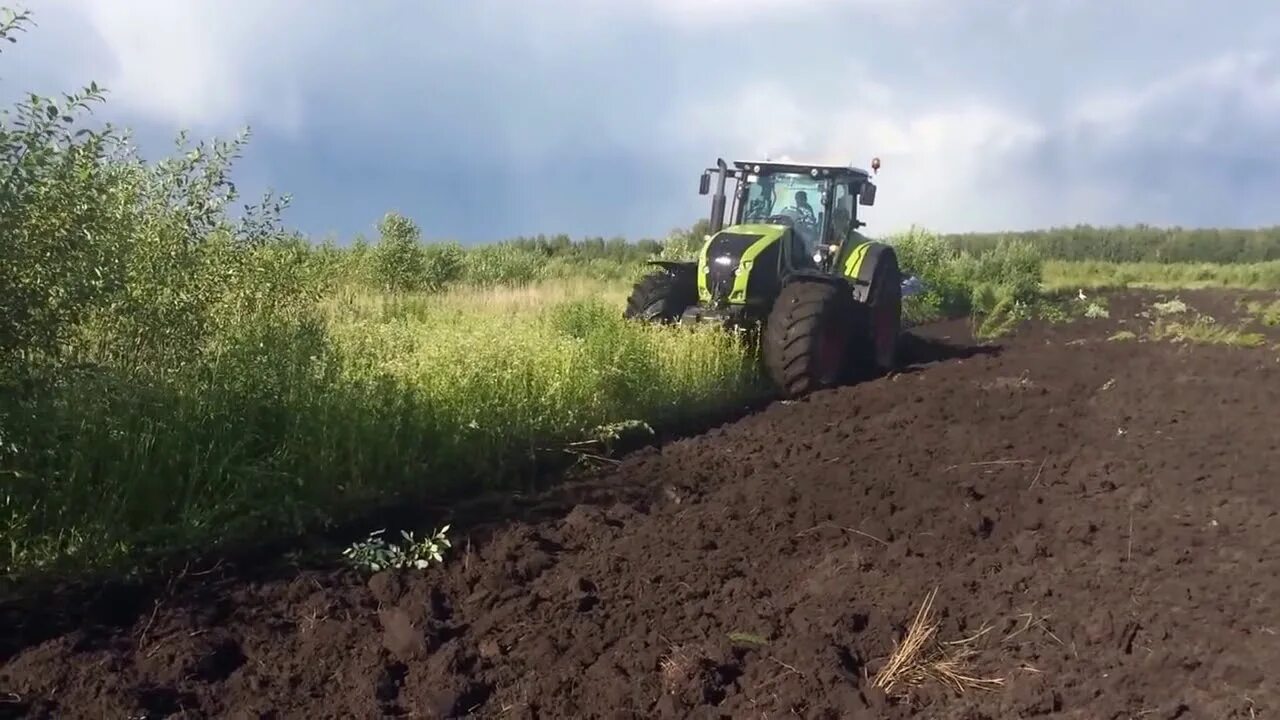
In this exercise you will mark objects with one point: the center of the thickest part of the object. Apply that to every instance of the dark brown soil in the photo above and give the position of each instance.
(1099, 514)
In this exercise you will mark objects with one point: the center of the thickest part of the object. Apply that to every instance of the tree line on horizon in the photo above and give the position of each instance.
(1118, 243)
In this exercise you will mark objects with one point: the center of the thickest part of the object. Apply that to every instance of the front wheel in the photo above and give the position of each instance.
(662, 296)
(806, 337)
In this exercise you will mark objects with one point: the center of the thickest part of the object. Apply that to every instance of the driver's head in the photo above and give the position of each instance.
(802, 198)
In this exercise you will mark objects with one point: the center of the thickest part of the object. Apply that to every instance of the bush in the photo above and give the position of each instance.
(443, 265)
(995, 282)
(926, 256)
(498, 265)
(398, 258)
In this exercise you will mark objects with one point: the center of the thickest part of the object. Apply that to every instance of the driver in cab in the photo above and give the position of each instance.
(805, 217)
(803, 210)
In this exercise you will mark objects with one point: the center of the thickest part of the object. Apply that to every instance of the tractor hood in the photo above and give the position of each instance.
(726, 261)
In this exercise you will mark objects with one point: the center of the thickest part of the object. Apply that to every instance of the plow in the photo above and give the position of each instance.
(784, 260)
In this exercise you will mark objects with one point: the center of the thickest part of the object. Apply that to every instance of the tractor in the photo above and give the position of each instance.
(791, 267)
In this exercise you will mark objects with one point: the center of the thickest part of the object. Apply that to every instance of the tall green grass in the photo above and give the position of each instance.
(1138, 244)
(1065, 275)
(391, 396)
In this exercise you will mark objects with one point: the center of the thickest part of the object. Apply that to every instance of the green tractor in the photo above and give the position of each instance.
(791, 264)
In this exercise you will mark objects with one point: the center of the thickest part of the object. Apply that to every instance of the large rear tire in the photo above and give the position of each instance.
(662, 296)
(807, 337)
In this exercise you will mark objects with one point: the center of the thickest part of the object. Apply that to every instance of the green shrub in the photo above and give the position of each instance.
(399, 260)
(443, 265)
(498, 265)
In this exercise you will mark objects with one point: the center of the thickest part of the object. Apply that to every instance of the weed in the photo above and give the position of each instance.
(1266, 313)
(1096, 310)
(1171, 307)
(375, 554)
(744, 638)
(1205, 330)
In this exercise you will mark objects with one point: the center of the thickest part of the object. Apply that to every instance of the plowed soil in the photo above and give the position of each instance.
(1094, 520)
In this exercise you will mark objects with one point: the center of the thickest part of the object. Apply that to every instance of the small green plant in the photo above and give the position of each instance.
(745, 638)
(1267, 314)
(1205, 330)
(1124, 335)
(1052, 312)
(1172, 307)
(612, 433)
(1096, 310)
(375, 554)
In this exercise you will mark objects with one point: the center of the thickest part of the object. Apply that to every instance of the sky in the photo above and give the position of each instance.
(487, 119)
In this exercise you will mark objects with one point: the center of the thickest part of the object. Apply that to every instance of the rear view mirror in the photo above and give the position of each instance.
(867, 196)
(704, 186)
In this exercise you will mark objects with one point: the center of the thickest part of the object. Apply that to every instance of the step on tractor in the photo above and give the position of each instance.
(791, 268)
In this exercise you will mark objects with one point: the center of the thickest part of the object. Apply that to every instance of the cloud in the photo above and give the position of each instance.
(1198, 146)
(492, 117)
(934, 163)
(202, 64)
(702, 13)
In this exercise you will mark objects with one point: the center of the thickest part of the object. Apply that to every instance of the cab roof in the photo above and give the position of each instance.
(764, 167)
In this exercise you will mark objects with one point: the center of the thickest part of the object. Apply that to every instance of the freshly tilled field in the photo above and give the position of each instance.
(1092, 522)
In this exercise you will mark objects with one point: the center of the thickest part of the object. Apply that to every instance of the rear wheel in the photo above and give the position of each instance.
(884, 314)
(806, 338)
(662, 296)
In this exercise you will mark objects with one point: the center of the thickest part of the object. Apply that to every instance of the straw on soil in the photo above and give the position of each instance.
(921, 657)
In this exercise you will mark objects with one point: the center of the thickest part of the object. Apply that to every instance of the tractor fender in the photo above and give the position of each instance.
(674, 266)
(818, 276)
(859, 266)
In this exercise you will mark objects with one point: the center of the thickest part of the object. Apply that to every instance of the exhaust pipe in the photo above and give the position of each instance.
(718, 200)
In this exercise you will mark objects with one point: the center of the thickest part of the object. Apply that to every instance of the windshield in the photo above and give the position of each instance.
(790, 195)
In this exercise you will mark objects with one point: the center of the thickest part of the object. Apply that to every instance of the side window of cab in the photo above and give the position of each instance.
(841, 213)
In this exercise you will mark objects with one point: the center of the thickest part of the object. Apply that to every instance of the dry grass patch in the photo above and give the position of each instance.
(1205, 330)
(921, 657)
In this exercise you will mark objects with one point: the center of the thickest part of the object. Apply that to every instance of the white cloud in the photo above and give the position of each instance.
(199, 63)
(1190, 104)
(937, 163)
(737, 12)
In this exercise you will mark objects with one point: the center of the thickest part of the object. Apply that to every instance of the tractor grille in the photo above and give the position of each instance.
(723, 258)
(720, 280)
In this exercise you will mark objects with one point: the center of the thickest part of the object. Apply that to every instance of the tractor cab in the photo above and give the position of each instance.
(818, 203)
